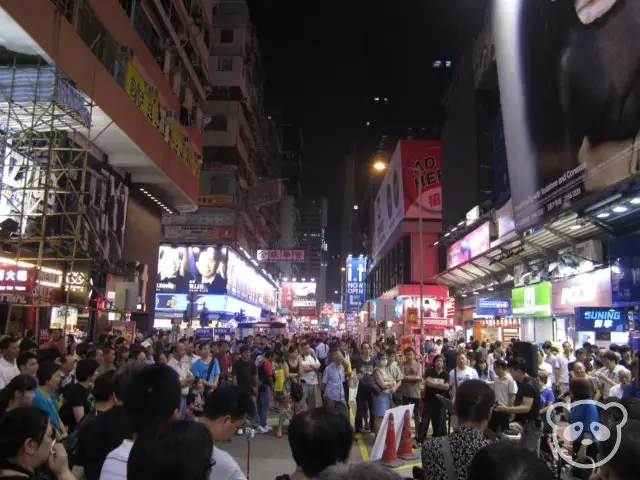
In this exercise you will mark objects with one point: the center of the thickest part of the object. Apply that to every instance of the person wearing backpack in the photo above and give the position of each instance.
(265, 386)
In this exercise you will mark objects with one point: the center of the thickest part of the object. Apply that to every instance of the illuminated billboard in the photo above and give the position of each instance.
(356, 273)
(213, 270)
(299, 298)
(183, 269)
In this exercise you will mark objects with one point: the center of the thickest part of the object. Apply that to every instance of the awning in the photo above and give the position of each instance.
(495, 266)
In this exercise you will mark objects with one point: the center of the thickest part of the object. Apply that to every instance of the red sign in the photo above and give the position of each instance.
(16, 279)
(412, 317)
(422, 175)
(275, 256)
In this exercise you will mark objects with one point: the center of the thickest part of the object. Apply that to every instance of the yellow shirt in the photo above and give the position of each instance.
(279, 383)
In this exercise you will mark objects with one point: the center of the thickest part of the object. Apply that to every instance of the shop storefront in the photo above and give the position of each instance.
(602, 326)
(492, 320)
(592, 289)
(531, 305)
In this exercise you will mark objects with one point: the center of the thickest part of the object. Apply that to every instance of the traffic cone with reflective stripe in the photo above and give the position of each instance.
(389, 456)
(405, 450)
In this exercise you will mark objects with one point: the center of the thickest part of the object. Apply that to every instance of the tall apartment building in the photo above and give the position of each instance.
(239, 185)
(312, 238)
(102, 104)
(292, 150)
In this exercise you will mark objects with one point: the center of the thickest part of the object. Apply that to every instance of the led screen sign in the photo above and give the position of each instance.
(532, 300)
(493, 306)
(355, 273)
(594, 319)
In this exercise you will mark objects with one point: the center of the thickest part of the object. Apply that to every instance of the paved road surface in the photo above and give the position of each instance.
(271, 456)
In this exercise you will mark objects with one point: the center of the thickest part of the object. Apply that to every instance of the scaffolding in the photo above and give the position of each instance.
(45, 124)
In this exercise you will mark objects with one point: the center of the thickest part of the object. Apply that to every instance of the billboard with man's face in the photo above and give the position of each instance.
(183, 269)
(568, 75)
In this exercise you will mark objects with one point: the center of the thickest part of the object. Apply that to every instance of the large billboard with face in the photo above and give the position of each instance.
(410, 188)
(212, 270)
(183, 269)
(568, 75)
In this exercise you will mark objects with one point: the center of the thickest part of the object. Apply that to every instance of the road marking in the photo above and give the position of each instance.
(364, 453)
(408, 465)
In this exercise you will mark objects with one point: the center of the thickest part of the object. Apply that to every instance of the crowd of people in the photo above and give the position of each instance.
(161, 408)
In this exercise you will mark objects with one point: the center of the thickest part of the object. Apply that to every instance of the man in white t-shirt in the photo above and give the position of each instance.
(150, 396)
(309, 367)
(181, 364)
(9, 349)
(561, 366)
(505, 389)
(461, 374)
(226, 410)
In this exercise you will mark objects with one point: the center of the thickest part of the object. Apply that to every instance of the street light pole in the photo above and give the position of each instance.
(421, 311)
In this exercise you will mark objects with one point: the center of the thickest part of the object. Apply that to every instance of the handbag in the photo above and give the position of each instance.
(296, 391)
(369, 384)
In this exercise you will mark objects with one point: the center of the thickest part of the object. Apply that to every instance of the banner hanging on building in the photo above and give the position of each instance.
(568, 75)
(414, 164)
(356, 274)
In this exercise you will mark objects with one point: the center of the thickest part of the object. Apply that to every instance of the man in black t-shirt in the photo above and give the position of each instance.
(78, 399)
(527, 404)
(436, 383)
(245, 375)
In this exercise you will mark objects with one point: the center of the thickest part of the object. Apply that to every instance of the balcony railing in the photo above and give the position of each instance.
(150, 37)
(65, 7)
(95, 36)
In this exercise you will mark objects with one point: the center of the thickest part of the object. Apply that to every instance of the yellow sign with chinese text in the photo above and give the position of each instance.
(142, 95)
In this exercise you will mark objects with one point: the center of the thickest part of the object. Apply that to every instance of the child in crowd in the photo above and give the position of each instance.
(195, 401)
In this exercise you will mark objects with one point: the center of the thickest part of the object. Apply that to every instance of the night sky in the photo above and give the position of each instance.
(326, 61)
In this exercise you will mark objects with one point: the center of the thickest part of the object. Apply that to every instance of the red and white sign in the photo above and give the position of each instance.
(16, 279)
(411, 188)
(295, 256)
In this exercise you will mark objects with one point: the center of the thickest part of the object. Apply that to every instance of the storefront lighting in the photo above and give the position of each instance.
(462, 223)
(464, 294)
(447, 234)
(577, 226)
(620, 209)
(475, 293)
(313, 279)
(603, 215)
(490, 289)
(294, 279)
(435, 244)
(454, 229)
(285, 279)
(635, 201)
(304, 279)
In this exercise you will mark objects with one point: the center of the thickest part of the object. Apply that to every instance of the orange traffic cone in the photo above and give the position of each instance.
(405, 450)
(389, 456)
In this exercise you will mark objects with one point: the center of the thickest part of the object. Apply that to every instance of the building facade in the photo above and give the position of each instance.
(312, 239)
(116, 91)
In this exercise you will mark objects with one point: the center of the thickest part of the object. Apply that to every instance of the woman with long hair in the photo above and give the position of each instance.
(19, 392)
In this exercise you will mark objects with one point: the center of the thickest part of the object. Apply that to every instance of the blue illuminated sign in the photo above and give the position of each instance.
(493, 306)
(591, 319)
(356, 274)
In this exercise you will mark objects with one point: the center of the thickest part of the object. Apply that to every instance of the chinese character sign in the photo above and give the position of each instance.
(356, 274)
(16, 279)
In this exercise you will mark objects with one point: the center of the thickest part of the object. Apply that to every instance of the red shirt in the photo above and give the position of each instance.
(225, 362)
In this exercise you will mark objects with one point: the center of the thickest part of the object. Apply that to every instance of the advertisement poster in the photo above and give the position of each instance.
(532, 300)
(299, 298)
(414, 164)
(569, 74)
(355, 273)
(625, 270)
(183, 269)
(472, 245)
